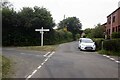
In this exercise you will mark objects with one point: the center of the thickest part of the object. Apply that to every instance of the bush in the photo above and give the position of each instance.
(116, 35)
(98, 42)
(109, 52)
(62, 36)
(77, 36)
(112, 45)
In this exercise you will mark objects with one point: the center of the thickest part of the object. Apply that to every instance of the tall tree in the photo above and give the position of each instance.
(6, 4)
(72, 24)
(98, 31)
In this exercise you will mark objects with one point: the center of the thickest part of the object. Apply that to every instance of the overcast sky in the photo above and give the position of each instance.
(89, 12)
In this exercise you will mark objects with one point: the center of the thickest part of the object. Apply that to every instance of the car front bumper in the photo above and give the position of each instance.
(87, 47)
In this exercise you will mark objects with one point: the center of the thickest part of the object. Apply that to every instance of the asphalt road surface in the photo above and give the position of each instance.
(66, 62)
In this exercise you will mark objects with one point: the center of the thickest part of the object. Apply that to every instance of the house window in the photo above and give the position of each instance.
(109, 31)
(113, 20)
(109, 20)
(113, 29)
(118, 28)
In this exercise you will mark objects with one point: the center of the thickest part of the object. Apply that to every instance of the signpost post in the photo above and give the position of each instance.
(42, 32)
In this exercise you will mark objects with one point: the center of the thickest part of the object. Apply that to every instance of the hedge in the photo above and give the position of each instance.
(112, 45)
(116, 35)
(98, 43)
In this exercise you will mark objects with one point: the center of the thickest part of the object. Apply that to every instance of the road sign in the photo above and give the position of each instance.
(42, 32)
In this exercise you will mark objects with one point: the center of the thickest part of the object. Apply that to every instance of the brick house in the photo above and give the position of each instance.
(113, 22)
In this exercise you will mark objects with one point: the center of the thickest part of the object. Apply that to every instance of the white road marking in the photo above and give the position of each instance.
(29, 77)
(46, 54)
(51, 54)
(117, 61)
(22, 53)
(46, 59)
(104, 55)
(34, 72)
(108, 56)
(40, 65)
(111, 58)
(43, 63)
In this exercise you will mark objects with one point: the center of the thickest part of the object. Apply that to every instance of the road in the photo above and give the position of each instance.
(66, 62)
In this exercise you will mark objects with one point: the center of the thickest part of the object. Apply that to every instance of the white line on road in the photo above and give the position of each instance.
(40, 65)
(51, 54)
(117, 61)
(104, 55)
(111, 58)
(46, 54)
(34, 72)
(108, 56)
(22, 53)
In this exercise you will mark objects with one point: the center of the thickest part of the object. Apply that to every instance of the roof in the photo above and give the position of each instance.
(114, 11)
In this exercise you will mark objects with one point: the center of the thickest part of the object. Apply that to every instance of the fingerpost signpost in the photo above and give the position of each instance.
(42, 32)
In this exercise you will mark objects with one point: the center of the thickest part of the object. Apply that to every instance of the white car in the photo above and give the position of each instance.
(86, 44)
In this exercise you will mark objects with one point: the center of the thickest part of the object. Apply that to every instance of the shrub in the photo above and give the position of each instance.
(98, 42)
(62, 36)
(112, 45)
(77, 36)
(116, 35)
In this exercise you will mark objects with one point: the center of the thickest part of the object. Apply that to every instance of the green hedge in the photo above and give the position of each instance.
(116, 35)
(98, 42)
(112, 45)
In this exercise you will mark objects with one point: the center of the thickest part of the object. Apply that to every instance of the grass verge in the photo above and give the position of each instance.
(112, 53)
(39, 48)
(6, 66)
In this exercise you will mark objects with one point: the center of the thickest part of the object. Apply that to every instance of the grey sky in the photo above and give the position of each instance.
(90, 12)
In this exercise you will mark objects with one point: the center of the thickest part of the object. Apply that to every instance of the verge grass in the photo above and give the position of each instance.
(5, 66)
(112, 53)
(40, 48)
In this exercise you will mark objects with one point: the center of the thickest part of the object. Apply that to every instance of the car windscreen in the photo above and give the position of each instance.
(87, 41)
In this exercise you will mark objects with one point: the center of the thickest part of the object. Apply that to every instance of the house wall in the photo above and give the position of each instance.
(113, 22)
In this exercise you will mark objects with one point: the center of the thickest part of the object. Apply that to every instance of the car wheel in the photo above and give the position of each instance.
(80, 49)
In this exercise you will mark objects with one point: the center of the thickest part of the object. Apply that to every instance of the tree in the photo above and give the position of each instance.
(6, 4)
(87, 30)
(19, 28)
(72, 24)
(98, 31)
(8, 25)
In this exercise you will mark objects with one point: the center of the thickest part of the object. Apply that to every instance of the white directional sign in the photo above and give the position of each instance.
(41, 29)
(42, 32)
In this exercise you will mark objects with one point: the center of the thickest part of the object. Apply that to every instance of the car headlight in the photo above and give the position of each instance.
(93, 45)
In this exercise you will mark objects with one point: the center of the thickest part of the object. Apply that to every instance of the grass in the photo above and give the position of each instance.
(5, 67)
(39, 48)
(112, 53)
